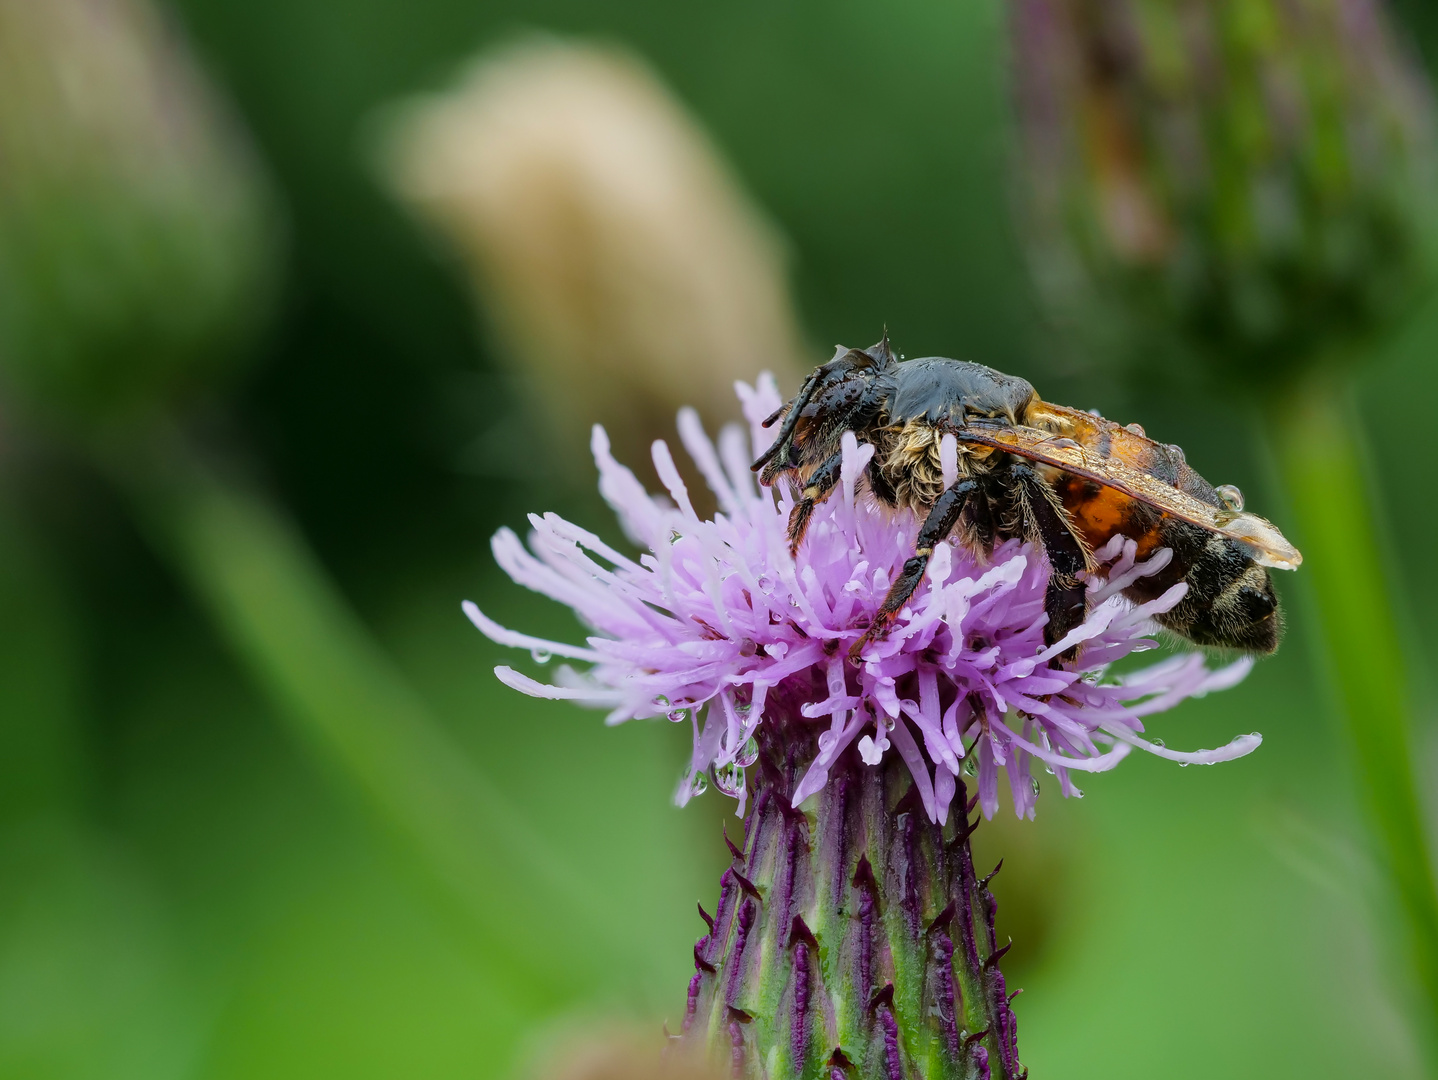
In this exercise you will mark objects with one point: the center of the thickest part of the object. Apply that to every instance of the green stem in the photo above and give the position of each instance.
(287, 624)
(852, 938)
(1321, 465)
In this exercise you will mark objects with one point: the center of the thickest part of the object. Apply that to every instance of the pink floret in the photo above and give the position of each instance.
(719, 626)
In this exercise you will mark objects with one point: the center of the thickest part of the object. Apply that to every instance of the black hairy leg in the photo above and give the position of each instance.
(819, 487)
(947, 510)
(1043, 521)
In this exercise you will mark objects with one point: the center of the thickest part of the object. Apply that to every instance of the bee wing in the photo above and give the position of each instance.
(1268, 545)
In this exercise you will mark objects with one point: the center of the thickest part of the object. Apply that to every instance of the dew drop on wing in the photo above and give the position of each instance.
(1230, 496)
(1137, 429)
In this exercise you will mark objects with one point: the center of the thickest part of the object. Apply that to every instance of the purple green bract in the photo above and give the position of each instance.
(718, 626)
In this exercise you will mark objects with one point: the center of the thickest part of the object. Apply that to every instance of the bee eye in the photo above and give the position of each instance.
(1230, 496)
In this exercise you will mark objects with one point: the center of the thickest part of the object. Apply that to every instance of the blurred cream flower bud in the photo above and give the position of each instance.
(137, 242)
(618, 258)
(1245, 183)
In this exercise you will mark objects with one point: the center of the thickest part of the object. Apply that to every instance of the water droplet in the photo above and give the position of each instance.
(749, 752)
(729, 779)
(1230, 496)
(678, 716)
(698, 784)
(765, 584)
(674, 536)
(1050, 770)
(971, 767)
(1034, 784)
(661, 702)
(1137, 429)
(1183, 764)
(1160, 744)
(747, 647)
(541, 656)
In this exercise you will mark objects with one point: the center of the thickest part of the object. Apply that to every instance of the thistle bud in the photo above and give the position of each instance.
(1239, 182)
(136, 239)
(622, 265)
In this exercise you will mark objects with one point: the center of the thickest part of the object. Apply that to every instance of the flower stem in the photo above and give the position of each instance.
(852, 938)
(1319, 456)
(343, 698)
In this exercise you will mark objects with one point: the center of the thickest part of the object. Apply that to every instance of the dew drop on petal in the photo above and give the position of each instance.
(730, 779)
(541, 656)
(971, 767)
(1160, 744)
(749, 753)
(678, 716)
(661, 702)
(1034, 784)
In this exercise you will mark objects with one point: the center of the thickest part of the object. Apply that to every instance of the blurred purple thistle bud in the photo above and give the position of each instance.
(1241, 183)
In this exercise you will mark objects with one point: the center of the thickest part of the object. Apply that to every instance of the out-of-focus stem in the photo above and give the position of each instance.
(282, 617)
(1319, 457)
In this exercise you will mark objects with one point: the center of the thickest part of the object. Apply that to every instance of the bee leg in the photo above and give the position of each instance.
(795, 407)
(819, 487)
(1045, 522)
(947, 510)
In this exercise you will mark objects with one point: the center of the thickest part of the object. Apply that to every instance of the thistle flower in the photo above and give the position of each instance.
(718, 627)
(852, 936)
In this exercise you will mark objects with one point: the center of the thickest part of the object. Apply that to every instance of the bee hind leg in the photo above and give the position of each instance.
(947, 510)
(1044, 521)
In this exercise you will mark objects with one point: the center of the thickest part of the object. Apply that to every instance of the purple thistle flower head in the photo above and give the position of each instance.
(718, 626)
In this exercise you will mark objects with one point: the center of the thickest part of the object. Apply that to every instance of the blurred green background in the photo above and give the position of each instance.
(188, 891)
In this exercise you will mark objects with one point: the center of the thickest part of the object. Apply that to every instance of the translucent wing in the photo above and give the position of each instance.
(1128, 461)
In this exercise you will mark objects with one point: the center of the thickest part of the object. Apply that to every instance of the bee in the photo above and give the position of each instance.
(1065, 480)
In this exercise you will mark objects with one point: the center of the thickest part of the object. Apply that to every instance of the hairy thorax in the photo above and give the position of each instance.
(910, 458)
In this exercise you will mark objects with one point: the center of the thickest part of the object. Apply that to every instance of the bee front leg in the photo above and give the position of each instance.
(819, 487)
(1045, 522)
(947, 510)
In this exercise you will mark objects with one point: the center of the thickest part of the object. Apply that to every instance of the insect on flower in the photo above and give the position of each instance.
(978, 454)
